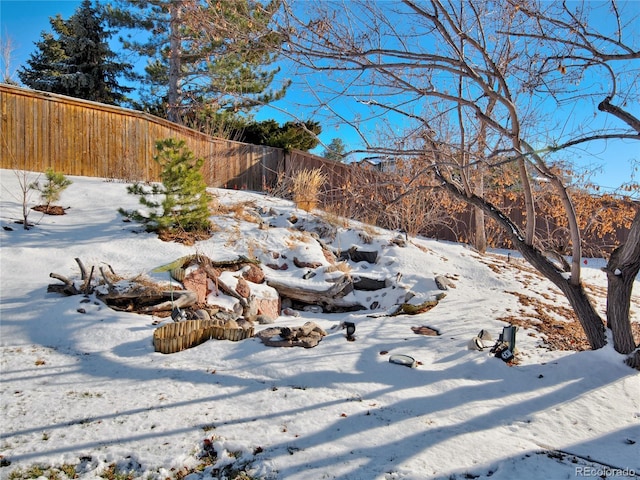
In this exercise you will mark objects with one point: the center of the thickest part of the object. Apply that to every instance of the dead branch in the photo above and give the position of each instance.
(67, 289)
(106, 278)
(83, 271)
(86, 287)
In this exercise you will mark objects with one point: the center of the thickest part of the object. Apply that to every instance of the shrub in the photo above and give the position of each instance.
(54, 186)
(184, 206)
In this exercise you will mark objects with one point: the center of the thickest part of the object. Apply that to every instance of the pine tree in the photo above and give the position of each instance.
(291, 135)
(52, 189)
(184, 206)
(45, 66)
(203, 54)
(335, 150)
(76, 60)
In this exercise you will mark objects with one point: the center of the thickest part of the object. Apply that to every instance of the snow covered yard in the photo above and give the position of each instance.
(82, 385)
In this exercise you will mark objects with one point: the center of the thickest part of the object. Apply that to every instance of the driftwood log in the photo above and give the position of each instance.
(148, 301)
(69, 287)
(143, 298)
(330, 299)
(176, 268)
(410, 309)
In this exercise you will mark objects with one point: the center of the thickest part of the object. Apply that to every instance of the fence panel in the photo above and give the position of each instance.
(77, 137)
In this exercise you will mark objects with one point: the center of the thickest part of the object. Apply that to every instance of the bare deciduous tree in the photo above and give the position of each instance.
(465, 85)
(578, 50)
(7, 48)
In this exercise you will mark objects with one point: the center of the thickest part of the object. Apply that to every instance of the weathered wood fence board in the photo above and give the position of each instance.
(76, 137)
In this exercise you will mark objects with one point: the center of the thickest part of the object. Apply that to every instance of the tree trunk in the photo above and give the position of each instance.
(480, 235)
(622, 269)
(530, 209)
(588, 317)
(634, 360)
(572, 220)
(623, 266)
(570, 213)
(175, 55)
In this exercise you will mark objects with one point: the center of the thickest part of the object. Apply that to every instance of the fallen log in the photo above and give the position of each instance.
(183, 262)
(331, 299)
(148, 301)
(186, 298)
(411, 309)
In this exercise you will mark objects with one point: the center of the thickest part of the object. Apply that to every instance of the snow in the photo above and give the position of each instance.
(87, 389)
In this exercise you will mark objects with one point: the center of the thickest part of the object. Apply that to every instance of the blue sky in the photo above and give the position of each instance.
(23, 21)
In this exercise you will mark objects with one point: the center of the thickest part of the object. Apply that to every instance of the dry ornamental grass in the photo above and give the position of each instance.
(306, 188)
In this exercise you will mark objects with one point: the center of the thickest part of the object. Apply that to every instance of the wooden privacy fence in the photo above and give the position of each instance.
(41, 130)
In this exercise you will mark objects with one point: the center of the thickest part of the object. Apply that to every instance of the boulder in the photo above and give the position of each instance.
(443, 283)
(196, 281)
(356, 255)
(368, 284)
(253, 274)
(242, 288)
(268, 307)
(307, 336)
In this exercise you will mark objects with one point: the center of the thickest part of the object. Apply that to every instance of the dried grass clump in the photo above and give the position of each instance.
(215, 207)
(282, 187)
(334, 219)
(343, 267)
(246, 211)
(297, 238)
(306, 188)
(253, 247)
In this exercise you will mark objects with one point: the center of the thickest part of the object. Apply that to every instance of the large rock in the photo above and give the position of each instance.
(356, 255)
(443, 283)
(264, 302)
(307, 336)
(196, 281)
(253, 274)
(242, 288)
(269, 307)
(368, 284)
